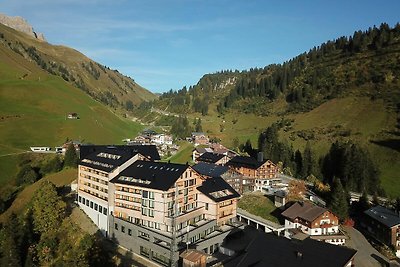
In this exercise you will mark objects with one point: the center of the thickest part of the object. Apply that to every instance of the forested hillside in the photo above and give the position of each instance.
(345, 90)
(365, 64)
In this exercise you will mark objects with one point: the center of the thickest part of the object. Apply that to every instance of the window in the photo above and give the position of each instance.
(144, 202)
(151, 203)
(151, 213)
(100, 209)
(123, 229)
(116, 226)
(151, 195)
(91, 204)
(105, 211)
(145, 194)
(144, 211)
(80, 199)
(96, 207)
(129, 232)
(206, 207)
(87, 202)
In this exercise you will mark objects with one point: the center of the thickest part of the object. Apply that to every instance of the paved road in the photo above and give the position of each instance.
(366, 255)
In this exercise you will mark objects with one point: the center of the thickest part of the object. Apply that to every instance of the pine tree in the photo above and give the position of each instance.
(71, 157)
(338, 203)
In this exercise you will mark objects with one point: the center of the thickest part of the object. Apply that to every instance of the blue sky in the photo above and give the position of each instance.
(166, 44)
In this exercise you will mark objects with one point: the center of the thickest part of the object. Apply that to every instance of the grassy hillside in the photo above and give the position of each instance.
(33, 109)
(102, 83)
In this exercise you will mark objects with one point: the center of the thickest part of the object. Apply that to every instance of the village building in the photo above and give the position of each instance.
(214, 158)
(65, 146)
(253, 169)
(384, 225)
(161, 139)
(72, 115)
(232, 177)
(200, 150)
(199, 138)
(314, 221)
(149, 207)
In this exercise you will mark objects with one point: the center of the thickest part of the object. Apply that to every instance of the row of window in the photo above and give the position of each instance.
(92, 205)
(93, 193)
(93, 171)
(127, 206)
(101, 181)
(101, 189)
(128, 198)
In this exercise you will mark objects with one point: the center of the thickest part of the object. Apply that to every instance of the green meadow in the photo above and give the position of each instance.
(33, 112)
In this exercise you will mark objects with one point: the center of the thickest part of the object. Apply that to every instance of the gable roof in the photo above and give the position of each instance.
(209, 169)
(255, 248)
(217, 189)
(210, 157)
(154, 175)
(149, 151)
(303, 210)
(247, 162)
(384, 216)
(106, 159)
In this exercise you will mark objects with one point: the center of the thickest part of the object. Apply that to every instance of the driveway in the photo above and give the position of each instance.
(366, 255)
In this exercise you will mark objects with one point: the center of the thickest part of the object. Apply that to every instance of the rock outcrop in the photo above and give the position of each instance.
(20, 24)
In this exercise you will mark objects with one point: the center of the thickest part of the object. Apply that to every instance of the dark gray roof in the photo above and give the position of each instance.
(384, 216)
(210, 169)
(149, 151)
(147, 174)
(247, 162)
(106, 159)
(217, 189)
(210, 157)
(255, 248)
(304, 210)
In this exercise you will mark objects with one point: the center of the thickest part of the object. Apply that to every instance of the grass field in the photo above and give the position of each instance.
(184, 154)
(260, 205)
(33, 112)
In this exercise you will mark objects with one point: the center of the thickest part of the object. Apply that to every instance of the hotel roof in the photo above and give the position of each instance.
(106, 159)
(210, 169)
(217, 189)
(149, 151)
(155, 175)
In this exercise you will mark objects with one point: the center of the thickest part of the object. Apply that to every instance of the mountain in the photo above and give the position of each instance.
(100, 82)
(20, 24)
(34, 104)
(346, 89)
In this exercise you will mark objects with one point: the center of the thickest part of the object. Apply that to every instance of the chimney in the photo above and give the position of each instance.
(260, 157)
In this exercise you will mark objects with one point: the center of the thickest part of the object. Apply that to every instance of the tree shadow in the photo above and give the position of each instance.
(379, 259)
(389, 143)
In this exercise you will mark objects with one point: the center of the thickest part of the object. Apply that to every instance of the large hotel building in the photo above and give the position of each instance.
(154, 209)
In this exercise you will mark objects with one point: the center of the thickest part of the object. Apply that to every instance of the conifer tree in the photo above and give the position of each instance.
(71, 157)
(338, 203)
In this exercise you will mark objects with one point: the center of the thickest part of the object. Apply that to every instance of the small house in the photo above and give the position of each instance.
(73, 115)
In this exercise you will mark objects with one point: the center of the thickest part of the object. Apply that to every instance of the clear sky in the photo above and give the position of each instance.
(166, 44)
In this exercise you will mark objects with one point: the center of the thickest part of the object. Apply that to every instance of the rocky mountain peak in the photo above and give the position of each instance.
(20, 24)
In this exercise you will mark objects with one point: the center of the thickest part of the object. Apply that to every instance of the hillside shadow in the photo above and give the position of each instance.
(389, 143)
